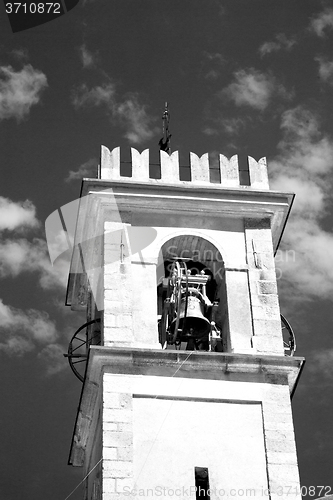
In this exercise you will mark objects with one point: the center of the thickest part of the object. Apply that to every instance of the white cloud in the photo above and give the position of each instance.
(214, 59)
(303, 144)
(281, 42)
(14, 215)
(253, 88)
(88, 59)
(21, 54)
(230, 126)
(136, 120)
(215, 56)
(305, 166)
(21, 255)
(310, 196)
(97, 96)
(22, 330)
(129, 112)
(87, 169)
(15, 345)
(325, 70)
(53, 358)
(323, 21)
(19, 90)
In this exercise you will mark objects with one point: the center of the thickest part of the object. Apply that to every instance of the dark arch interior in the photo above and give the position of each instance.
(199, 255)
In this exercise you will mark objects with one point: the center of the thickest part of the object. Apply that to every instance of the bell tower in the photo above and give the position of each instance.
(189, 368)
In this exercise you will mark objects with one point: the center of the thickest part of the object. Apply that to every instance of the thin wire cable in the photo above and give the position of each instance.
(76, 487)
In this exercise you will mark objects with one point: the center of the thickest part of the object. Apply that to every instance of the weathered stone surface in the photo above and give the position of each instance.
(269, 328)
(125, 453)
(116, 384)
(258, 173)
(117, 400)
(267, 346)
(110, 163)
(140, 165)
(122, 321)
(117, 415)
(280, 446)
(124, 426)
(114, 292)
(108, 485)
(267, 287)
(124, 484)
(110, 426)
(115, 468)
(113, 334)
(117, 439)
(258, 224)
(169, 167)
(115, 496)
(280, 457)
(281, 434)
(199, 168)
(270, 300)
(283, 475)
(109, 453)
(111, 400)
(229, 171)
(265, 312)
(239, 318)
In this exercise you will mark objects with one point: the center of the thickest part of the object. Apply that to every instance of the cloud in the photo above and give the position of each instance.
(322, 363)
(253, 88)
(21, 54)
(97, 96)
(22, 330)
(21, 255)
(281, 42)
(323, 21)
(230, 126)
(136, 120)
(19, 91)
(215, 56)
(14, 215)
(53, 358)
(210, 131)
(217, 60)
(325, 70)
(87, 169)
(88, 59)
(128, 111)
(305, 166)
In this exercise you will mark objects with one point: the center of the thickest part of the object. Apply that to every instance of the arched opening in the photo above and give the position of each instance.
(192, 305)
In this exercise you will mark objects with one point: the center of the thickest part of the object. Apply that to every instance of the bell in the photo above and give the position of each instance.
(194, 324)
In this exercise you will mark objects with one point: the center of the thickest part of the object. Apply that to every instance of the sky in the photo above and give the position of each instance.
(247, 77)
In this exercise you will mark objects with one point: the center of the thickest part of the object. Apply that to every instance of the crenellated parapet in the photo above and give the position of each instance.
(170, 169)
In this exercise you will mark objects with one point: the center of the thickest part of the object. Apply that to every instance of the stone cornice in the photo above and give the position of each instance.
(164, 363)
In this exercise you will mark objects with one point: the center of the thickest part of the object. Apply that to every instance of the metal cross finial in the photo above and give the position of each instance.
(164, 142)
